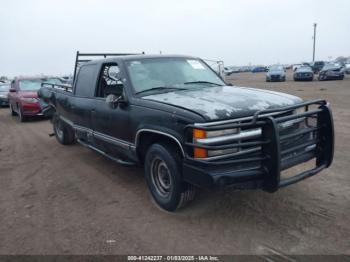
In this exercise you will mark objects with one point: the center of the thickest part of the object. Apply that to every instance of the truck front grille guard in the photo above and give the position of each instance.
(278, 150)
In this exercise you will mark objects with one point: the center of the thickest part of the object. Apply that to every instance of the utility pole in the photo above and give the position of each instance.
(313, 52)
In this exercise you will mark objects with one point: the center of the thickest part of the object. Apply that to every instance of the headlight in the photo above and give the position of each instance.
(29, 99)
(223, 132)
(299, 110)
(293, 122)
(199, 133)
(3, 96)
(202, 134)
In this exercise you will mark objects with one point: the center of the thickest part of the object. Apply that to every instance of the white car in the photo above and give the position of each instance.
(347, 68)
(296, 66)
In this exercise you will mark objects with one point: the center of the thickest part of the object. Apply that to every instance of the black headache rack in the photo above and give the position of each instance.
(87, 57)
(268, 143)
(65, 87)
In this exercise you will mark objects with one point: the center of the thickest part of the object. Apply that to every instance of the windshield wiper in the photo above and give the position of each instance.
(161, 88)
(201, 82)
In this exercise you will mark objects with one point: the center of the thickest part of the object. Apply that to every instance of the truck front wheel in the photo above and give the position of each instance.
(63, 132)
(163, 176)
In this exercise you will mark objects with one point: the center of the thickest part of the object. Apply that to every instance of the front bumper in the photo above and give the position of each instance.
(332, 76)
(263, 169)
(275, 78)
(36, 109)
(301, 77)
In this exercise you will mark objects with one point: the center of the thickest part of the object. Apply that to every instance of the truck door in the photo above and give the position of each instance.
(110, 125)
(79, 107)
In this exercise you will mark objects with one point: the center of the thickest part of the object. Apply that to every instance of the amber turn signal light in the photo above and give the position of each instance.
(199, 133)
(199, 152)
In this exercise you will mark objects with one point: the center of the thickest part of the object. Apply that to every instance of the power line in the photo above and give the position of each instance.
(313, 52)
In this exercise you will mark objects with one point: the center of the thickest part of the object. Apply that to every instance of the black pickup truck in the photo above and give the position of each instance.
(178, 119)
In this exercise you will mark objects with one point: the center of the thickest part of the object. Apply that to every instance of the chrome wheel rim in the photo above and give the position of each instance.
(161, 178)
(58, 129)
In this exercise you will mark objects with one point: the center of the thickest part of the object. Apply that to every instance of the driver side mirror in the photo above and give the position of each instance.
(112, 100)
(12, 90)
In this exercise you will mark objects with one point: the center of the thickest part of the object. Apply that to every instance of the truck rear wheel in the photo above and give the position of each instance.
(163, 176)
(63, 132)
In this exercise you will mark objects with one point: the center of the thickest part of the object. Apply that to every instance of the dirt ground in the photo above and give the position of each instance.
(58, 199)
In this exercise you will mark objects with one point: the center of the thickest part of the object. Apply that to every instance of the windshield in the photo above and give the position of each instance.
(172, 73)
(330, 66)
(35, 84)
(276, 68)
(4, 88)
(304, 68)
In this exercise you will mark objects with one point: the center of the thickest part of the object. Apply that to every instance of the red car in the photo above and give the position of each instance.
(23, 97)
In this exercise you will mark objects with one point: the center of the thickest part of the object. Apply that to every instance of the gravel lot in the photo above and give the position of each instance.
(58, 199)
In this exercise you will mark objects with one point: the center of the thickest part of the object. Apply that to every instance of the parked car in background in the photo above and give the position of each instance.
(287, 67)
(3, 79)
(245, 69)
(296, 66)
(276, 73)
(227, 71)
(317, 66)
(259, 69)
(230, 70)
(331, 72)
(23, 97)
(303, 73)
(4, 91)
(347, 68)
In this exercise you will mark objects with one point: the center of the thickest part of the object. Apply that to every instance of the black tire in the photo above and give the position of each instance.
(22, 118)
(13, 113)
(164, 178)
(64, 133)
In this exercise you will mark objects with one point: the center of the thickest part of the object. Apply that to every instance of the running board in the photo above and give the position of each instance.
(119, 161)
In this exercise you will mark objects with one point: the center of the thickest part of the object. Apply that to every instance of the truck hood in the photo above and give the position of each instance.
(225, 102)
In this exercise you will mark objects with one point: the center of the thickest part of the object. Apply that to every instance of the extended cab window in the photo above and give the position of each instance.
(86, 80)
(109, 82)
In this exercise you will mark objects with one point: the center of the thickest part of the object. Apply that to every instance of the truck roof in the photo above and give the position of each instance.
(138, 57)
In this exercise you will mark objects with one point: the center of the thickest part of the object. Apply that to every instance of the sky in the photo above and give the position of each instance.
(42, 36)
